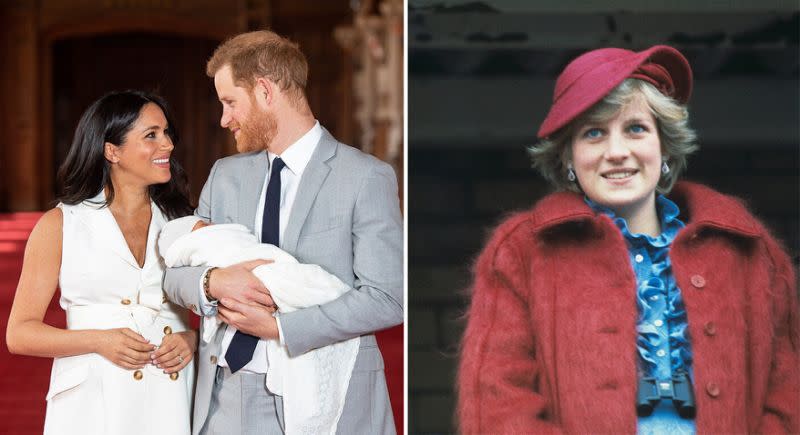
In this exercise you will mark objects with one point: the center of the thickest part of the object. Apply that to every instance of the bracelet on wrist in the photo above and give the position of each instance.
(206, 285)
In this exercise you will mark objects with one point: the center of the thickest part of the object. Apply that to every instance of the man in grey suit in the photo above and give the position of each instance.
(322, 201)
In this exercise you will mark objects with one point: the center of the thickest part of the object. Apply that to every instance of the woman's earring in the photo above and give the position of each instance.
(570, 172)
(664, 168)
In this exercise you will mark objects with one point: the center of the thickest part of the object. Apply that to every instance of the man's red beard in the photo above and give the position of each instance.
(257, 132)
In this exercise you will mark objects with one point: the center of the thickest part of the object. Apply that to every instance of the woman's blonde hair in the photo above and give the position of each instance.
(551, 155)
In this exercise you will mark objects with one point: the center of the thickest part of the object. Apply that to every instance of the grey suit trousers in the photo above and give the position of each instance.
(249, 407)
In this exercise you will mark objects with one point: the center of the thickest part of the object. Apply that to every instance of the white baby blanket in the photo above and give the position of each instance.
(313, 385)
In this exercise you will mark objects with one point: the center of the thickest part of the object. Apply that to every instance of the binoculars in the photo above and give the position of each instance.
(651, 391)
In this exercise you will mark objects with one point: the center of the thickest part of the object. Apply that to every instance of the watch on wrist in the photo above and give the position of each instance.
(206, 281)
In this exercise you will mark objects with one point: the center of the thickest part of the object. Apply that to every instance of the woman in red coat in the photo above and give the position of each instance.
(627, 303)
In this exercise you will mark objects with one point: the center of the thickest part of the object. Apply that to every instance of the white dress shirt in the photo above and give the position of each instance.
(296, 158)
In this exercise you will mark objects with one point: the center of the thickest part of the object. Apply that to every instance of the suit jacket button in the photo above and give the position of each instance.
(698, 281)
(193, 308)
(137, 375)
(712, 389)
(173, 376)
(213, 359)
(125, 301)
(167, 330)
(710, 329)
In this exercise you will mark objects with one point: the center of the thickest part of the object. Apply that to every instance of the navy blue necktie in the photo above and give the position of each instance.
(242, 346)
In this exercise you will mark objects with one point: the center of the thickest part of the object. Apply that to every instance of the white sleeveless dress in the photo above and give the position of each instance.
(102, 287)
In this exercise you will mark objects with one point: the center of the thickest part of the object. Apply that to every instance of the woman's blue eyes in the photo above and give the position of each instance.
(593, 133)
(637, 128)
(597, 133)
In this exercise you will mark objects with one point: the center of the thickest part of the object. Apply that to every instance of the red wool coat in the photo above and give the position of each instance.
(550, 346)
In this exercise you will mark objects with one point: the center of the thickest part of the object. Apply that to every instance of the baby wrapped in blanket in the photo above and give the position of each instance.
(313, 385)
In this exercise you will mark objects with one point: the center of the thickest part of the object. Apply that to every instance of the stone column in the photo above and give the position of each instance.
(375, 43)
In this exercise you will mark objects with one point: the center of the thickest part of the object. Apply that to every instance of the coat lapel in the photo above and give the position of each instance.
(250, 184)
(98, 218)
(310, 183)
(153, 258)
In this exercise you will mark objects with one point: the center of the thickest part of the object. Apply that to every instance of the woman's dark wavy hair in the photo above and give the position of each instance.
(85, 171)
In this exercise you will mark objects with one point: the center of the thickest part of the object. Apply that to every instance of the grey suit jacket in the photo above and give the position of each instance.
(345, 218)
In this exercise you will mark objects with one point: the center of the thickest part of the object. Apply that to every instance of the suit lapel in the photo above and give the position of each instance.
(310, 183)
(250, 184)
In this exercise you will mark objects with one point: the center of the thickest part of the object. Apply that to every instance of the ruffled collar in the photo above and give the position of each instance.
(667, 212)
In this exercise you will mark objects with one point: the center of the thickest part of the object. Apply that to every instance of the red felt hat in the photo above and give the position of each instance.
(591, 76)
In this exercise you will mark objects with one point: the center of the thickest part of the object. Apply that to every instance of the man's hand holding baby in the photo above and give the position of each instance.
(253, 319)
(238, 283)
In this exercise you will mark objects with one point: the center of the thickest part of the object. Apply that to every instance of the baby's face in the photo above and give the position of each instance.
(200, 224)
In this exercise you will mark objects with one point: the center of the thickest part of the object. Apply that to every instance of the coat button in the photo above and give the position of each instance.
(712, 389)
(193, 308)
(213, 359)
(167, 330)
(173, 376)
(137, 375)
(698, 281)
(710, 329)
(125, 302)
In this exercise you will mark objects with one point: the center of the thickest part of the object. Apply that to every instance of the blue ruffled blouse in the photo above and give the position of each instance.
(663, 339)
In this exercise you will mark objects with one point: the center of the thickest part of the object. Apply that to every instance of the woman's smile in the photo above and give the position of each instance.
(162, 162)
(619, 175)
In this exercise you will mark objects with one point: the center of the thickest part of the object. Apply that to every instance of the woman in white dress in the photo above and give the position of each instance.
(123, 365)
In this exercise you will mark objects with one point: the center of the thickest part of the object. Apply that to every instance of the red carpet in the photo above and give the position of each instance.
(25, 381)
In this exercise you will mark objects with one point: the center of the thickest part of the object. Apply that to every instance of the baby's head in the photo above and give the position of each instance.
(176, 228)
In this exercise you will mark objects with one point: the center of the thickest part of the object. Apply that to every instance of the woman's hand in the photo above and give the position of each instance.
(125, 348)
(176, 351)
